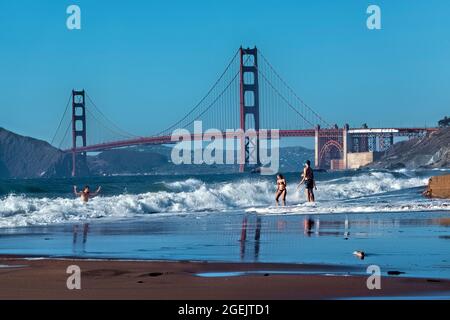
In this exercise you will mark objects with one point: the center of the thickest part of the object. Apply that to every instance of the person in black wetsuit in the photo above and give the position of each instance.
(308, 179)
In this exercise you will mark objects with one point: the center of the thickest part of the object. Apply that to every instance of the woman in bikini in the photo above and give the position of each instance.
(281, 190)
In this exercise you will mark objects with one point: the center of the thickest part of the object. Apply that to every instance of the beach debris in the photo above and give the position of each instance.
(395, 273)
(360, 254)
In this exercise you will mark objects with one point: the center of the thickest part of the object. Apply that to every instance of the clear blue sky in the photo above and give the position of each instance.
(147, 62)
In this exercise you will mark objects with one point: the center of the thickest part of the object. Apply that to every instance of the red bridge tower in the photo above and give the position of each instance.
(249, 106)
(78, 128)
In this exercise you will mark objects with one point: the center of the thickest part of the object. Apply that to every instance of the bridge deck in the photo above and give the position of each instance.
(282, 133)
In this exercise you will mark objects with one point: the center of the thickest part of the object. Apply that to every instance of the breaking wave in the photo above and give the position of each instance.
(364, 192)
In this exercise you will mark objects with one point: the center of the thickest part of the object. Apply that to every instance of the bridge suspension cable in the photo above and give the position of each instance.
(177, 124)
(302, 102)
(284, 99)
(113, 127)
(62, 119)
(60, 145)
(216, 99)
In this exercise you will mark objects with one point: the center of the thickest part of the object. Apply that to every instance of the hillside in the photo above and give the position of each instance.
(126, 161)
(25, 157)
(156, 160)
(432, 151)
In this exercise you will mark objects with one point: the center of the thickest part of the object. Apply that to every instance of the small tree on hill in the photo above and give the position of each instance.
(444, 122)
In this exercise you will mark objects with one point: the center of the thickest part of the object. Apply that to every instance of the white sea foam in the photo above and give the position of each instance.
(329, 208)
(346, 194)
(366, 184)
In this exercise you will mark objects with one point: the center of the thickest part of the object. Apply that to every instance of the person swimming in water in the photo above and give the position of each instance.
(308, 179)
(86, 194)
(281, 190)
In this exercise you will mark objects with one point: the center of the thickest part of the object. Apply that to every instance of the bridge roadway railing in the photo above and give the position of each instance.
(333, 132)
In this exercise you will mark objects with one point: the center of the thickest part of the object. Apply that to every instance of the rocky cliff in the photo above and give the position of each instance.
(431, 151)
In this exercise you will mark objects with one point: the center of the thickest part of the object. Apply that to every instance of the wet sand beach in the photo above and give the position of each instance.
(112, 279)
(415, 244)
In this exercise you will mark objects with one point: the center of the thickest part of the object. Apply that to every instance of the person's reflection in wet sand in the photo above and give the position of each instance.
(346, 228)
(317, 227)
(311, 226)
(257, 237)
(281, 225)
(75, 246)
(85, 232)
(308, 224)
(75, 234)
(243, 237)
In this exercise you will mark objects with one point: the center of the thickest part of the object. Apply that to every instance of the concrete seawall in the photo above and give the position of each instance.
(438, 187)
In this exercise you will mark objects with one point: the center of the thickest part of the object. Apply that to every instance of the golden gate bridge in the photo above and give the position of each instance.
(249, 94)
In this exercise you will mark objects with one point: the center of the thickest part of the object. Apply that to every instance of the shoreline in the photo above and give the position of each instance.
(33, 278)
(239, 238)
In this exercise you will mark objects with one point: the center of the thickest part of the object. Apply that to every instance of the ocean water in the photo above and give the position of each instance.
(232, 218)
(50, 201)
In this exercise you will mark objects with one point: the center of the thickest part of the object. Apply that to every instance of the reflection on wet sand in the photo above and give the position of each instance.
(388, 239)
(78, 247)
(443, 222)
(346, 228)
(313, 227)
(253, 228)
(309, 226)
(257, 238)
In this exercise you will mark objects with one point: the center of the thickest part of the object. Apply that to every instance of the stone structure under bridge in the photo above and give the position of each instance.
(352, 148)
